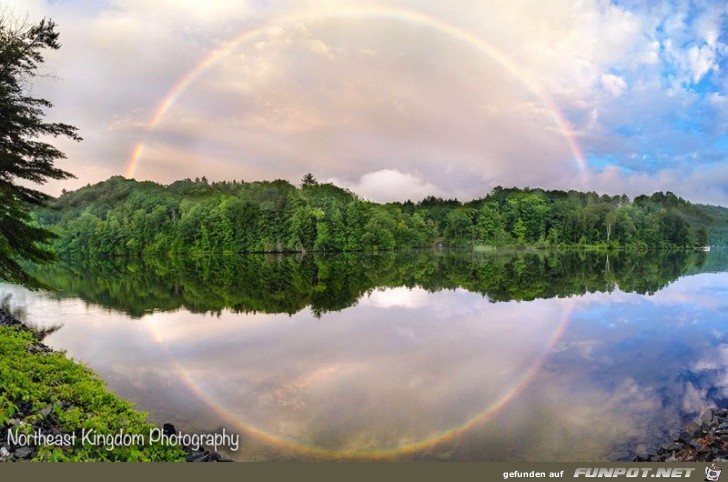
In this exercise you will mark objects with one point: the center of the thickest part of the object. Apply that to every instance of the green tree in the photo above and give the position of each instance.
(491, 226)
(308, 180)
(701, 236)
(304, 226)
(610, 219)
(22, 156)
(519, 230)
(553, 237)
(534, 212)
(378, 232)
(458, 226)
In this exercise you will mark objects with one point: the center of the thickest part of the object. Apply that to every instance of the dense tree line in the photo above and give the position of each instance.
(123, 217)
(325, 282)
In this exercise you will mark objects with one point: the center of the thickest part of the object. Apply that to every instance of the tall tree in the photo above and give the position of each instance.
(24, 155)
(308, 180)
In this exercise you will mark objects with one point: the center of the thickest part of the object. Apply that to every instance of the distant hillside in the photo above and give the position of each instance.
(125, 217)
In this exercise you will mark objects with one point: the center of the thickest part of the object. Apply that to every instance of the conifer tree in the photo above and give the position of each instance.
(25, 156)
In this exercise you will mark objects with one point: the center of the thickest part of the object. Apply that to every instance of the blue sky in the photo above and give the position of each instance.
(396, 99)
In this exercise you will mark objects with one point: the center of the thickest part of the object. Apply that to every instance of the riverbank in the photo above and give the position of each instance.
(703, 441)
(55, 409)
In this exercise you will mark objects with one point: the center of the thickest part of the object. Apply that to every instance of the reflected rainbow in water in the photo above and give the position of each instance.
(566, 358)
(236, 417)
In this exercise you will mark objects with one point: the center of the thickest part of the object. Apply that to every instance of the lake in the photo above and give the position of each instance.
(516, 356)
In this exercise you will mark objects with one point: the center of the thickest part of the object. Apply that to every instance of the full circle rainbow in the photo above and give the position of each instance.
(424, 21)
(374, 12)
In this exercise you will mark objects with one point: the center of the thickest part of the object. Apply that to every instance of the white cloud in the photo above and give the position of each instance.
(388, 185)
(613, 84)
(319, 48)
(397, 297)
(701, 60)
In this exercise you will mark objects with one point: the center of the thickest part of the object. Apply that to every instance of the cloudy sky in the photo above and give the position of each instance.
(395, 99)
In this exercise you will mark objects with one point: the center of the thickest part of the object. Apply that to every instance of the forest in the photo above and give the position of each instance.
(125, 217)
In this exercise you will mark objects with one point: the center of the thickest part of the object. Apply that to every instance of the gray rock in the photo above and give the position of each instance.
(707, 417)
(23, 452)
(721, 456)
(4, 452)
(709, 433)
(168, 429)
(46, 411)
(672, 447)
(693, 429)
(199, 457)
(705, 449)
(685, 438)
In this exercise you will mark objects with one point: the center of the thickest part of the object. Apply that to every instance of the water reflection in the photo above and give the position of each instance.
(418, 373)
(288, 284)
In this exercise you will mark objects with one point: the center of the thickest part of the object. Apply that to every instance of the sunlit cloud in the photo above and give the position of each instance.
(400, 297)
(389, 185)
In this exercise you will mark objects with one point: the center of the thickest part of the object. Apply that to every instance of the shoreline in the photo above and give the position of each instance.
(53, 399)
(705, 440)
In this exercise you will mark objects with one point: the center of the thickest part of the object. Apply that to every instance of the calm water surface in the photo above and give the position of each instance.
(564, 358)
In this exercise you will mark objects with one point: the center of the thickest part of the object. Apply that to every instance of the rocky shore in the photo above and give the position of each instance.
(28, 417)
(703, 441)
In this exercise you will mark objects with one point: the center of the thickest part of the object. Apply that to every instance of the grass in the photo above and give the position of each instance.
(45, 389)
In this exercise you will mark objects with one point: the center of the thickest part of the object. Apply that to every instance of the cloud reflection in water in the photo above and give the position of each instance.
(406, 365)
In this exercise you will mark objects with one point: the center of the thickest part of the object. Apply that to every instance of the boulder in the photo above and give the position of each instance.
(23, 452)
